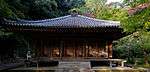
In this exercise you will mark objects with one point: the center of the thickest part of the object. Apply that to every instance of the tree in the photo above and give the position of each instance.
(5, 11)
(128, 47)
(100, 10)
(131, 23)
(134, 3)
(145, 45)
(137, 21)
(37, 9)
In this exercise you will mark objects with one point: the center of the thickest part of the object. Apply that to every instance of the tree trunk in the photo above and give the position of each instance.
(146, 58)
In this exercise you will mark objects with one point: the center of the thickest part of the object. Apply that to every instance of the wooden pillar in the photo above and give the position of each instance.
(34, 47)
(86, 50)
(42, 48)
(50, 48)
(61, 49)
(37, 48)
(106, 50)
(109, 43)
(45, 48)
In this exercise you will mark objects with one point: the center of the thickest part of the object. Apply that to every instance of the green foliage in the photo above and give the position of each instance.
(136, 45)
(44, 9)
(134, 3)
(128, 47)
(36, 9)
(139, 23)
(136, 22)
(100, 10)
(5, 11)
(130, 23)
(145, 41)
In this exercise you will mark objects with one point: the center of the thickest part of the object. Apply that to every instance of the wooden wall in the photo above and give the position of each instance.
(72, 48)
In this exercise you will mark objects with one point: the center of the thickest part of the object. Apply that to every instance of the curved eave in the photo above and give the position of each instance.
(67, 23)
(13, 27)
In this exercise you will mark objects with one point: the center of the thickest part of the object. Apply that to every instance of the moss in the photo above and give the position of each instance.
(133, 70)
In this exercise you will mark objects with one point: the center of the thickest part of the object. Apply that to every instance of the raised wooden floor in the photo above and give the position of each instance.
(85, 59)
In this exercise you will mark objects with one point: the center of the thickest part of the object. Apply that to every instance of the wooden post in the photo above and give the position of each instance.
(61, 49)
(45, 48)
(109, 49)
(86, 50)
(50, 48)
(106, 49)
(34, 47)
(41, 47)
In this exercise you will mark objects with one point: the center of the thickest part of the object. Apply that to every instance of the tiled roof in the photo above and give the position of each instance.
(65, 21)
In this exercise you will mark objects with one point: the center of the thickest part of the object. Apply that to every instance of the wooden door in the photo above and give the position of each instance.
(69, 50)
(80, 50)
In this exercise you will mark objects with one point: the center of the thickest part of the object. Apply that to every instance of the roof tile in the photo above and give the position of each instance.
(67, 21)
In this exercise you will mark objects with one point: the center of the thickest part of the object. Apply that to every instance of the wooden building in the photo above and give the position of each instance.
(68, 37)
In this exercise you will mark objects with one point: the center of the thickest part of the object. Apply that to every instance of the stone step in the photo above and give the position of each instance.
(74, 64)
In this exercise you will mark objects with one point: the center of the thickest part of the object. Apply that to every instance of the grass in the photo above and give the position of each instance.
(120, 71)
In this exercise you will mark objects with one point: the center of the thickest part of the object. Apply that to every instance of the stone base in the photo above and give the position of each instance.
(74, 64)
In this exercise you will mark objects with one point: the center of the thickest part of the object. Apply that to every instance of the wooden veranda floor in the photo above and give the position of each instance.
(86, 59)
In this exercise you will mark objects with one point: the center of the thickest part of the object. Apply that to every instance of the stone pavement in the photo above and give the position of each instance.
(10, 66)
(82, 66)
(74, 66)
(64, 66)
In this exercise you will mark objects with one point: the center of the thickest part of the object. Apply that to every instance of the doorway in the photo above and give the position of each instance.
(74, 49)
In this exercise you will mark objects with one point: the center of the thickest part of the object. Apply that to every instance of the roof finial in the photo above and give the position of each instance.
(74, 13)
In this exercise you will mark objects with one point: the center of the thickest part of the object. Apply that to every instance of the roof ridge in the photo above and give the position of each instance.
(44, 20)
(62, 17)
(99, 19)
